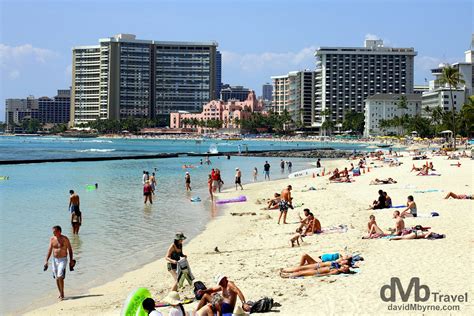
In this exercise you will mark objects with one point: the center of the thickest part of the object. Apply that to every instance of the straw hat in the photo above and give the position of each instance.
(172, 298)
(239, 311)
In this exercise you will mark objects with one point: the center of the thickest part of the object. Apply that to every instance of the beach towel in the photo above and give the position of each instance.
(184, 301)
(429, 191)
(184, 272)
(334, 229)
(396, 206)
(429, 174)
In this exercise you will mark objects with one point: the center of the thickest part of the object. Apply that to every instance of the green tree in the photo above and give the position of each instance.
(451, 77)
(467, 117)
(354, 121)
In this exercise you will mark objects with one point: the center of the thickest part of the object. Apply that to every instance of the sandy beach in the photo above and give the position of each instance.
(253, 247)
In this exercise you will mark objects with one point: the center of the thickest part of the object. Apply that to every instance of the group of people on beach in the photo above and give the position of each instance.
(149, 186)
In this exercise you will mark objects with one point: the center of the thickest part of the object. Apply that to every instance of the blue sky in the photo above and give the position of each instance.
(258, 38)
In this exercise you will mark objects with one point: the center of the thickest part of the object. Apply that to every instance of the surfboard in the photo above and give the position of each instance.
(305, 173)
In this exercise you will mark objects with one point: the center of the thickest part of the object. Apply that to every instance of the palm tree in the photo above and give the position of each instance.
(467, 116)
(451, 77)
(329, 125)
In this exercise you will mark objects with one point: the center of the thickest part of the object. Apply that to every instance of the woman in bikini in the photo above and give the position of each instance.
(317, 269)
(410, 211)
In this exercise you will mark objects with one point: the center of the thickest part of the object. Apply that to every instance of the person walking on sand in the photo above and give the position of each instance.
(285, 203)
(147, 191)
(255, 173)
(174, 254)
(238, 179)
(266, 170)
(74, 203)
(59, 247)
(187, 180)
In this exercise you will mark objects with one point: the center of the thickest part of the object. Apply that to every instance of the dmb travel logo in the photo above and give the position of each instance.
(415, 296)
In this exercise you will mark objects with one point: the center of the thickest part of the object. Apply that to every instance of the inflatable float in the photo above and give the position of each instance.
(241, 198)
(196, 199)
(90, 187)
(133, 303)
(305, 173)
(4, 177)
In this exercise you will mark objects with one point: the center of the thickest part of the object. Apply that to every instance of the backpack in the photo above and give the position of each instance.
(262, 306)
(198, 285)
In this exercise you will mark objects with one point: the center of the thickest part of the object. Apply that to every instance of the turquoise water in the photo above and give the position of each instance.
(119, 233)
(58, 147)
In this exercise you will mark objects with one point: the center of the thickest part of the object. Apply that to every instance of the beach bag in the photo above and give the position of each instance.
(262, 306)
(198, 285)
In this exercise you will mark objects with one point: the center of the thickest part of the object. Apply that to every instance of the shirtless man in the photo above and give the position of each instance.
(229, 293)
(285, 203)
(59, 246)
(399, 224)
(73, 201)
(373, 230)
(187, 180)
(238, 178)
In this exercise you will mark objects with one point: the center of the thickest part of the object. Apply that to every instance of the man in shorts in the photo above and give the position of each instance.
(266, 170)
(59, 246)
(238, 179)
(285, 203)
(73, 201)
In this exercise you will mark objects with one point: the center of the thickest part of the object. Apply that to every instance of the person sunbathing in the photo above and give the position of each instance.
(459, 196)
(273, 203)
(410, 211)
(424, 171)
(335, 175)
(309, 226)
(414, 234)
(332, 269)
(416, 168)
(431, 167)
(382, 181)
(373, 230)
(388, 200)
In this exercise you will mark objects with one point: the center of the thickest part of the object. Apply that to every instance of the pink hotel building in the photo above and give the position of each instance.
(220, 110)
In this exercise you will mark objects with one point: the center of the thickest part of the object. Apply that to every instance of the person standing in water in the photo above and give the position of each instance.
(282, 165)
(74, 202)
(266, 170)
(187, 180)
(174, 254)
(153, 183)
(238, 179)
(59, 247)
(209, 186)
(76, 221)
(255, 174)
(147, 191)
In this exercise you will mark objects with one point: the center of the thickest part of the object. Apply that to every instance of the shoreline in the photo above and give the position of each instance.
(253, 248)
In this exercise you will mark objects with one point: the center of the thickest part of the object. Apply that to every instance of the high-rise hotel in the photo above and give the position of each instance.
(126, 77)
(346, 76)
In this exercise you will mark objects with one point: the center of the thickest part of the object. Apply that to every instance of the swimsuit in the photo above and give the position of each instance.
(237, 180)
(59, 267)
(175, 256)
(283, 206)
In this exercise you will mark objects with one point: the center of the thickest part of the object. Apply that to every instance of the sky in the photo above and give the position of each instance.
(258, 39)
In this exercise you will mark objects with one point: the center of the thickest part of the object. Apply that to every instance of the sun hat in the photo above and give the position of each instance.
(239, 311)
(236, 168)
(172, 298)
(180, 236)
(187, 172)
(219, 278)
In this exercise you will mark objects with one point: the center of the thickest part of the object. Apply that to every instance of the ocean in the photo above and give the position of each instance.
(119, 232)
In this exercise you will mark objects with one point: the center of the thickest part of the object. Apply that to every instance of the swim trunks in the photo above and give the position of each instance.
(283, 206)
(227, 308)
(74, 208)
(237, 180)
(59, 267)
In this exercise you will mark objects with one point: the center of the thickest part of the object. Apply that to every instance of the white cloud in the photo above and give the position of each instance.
(14, 74)
(23, 53)
(426, 63)
(255, 62)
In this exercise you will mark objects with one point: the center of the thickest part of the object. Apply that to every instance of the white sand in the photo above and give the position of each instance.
(254, 248)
